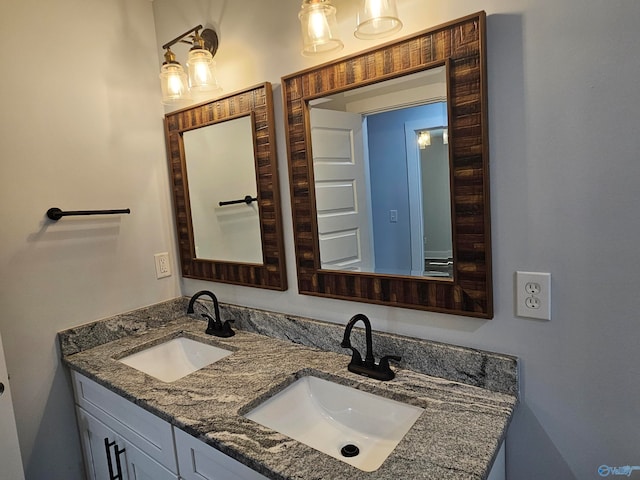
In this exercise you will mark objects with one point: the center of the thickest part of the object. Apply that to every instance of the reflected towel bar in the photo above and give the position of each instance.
(248, 199)
(57, 214)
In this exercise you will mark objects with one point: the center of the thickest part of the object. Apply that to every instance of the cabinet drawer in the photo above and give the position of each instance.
(149, 433)
(199, 461)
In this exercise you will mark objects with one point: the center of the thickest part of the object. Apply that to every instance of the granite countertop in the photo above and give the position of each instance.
(457, 436)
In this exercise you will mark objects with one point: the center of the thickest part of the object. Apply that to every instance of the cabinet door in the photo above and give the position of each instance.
(104, 457)
(108, 456)
(142, 467)
(199, 461)
(147, 432)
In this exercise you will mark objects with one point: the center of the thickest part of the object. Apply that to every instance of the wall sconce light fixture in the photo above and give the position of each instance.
(377, 18)
(175, 86)
(424, 139)
(445, 136)
(319, 27)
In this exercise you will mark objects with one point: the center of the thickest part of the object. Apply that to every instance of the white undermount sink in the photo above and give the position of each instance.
(174, 359)
(338, 420)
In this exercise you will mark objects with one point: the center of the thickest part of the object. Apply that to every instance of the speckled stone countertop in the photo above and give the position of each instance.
(457, 437)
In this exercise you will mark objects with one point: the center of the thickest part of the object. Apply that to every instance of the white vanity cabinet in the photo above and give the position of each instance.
(149, 448)
(114, 429)
(199, 461)
(141, 442)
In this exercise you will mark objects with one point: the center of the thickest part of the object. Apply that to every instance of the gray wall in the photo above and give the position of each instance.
(563, 200)
(81, 129)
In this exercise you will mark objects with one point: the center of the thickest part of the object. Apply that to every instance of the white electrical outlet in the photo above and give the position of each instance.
(163, 266)
(533, 295)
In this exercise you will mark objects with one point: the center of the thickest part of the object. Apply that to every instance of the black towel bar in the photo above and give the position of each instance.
(56, 214)
(248, 199)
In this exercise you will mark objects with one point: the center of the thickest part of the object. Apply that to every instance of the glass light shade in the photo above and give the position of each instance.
(377, 18)
(319, 27)
(173, 81)
(202, 75)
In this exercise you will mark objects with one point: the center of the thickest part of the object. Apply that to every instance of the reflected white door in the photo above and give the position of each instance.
(10, 460)
(342, 197)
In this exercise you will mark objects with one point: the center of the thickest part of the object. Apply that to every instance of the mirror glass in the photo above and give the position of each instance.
(382, 179)
(224, 180)
(425, 237)
(225, 226)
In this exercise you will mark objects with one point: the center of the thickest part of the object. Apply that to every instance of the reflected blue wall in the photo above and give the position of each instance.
(389, 182)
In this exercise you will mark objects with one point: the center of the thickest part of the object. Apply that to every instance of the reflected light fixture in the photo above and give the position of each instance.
(445, 136)
(424, 139)
(376, 19)
(176, 87)
(319, 27)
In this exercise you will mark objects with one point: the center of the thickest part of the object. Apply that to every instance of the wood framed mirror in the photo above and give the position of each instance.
(224, 178)
(458, 49)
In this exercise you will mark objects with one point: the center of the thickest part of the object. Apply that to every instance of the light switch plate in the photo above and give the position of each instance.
(533, 295)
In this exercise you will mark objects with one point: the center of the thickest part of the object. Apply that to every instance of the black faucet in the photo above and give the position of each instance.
(368, 367)
(215, 326)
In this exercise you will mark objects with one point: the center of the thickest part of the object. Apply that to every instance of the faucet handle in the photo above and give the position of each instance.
(386, 358)
(383, 368)
(217, 328)
(226, 328)
(213, 325)
(356, 358)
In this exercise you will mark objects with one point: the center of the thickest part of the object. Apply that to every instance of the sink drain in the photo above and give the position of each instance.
(349, 450)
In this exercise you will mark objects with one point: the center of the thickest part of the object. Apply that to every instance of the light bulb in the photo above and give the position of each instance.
(201, 71)
(318, 26)
(424, 139)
